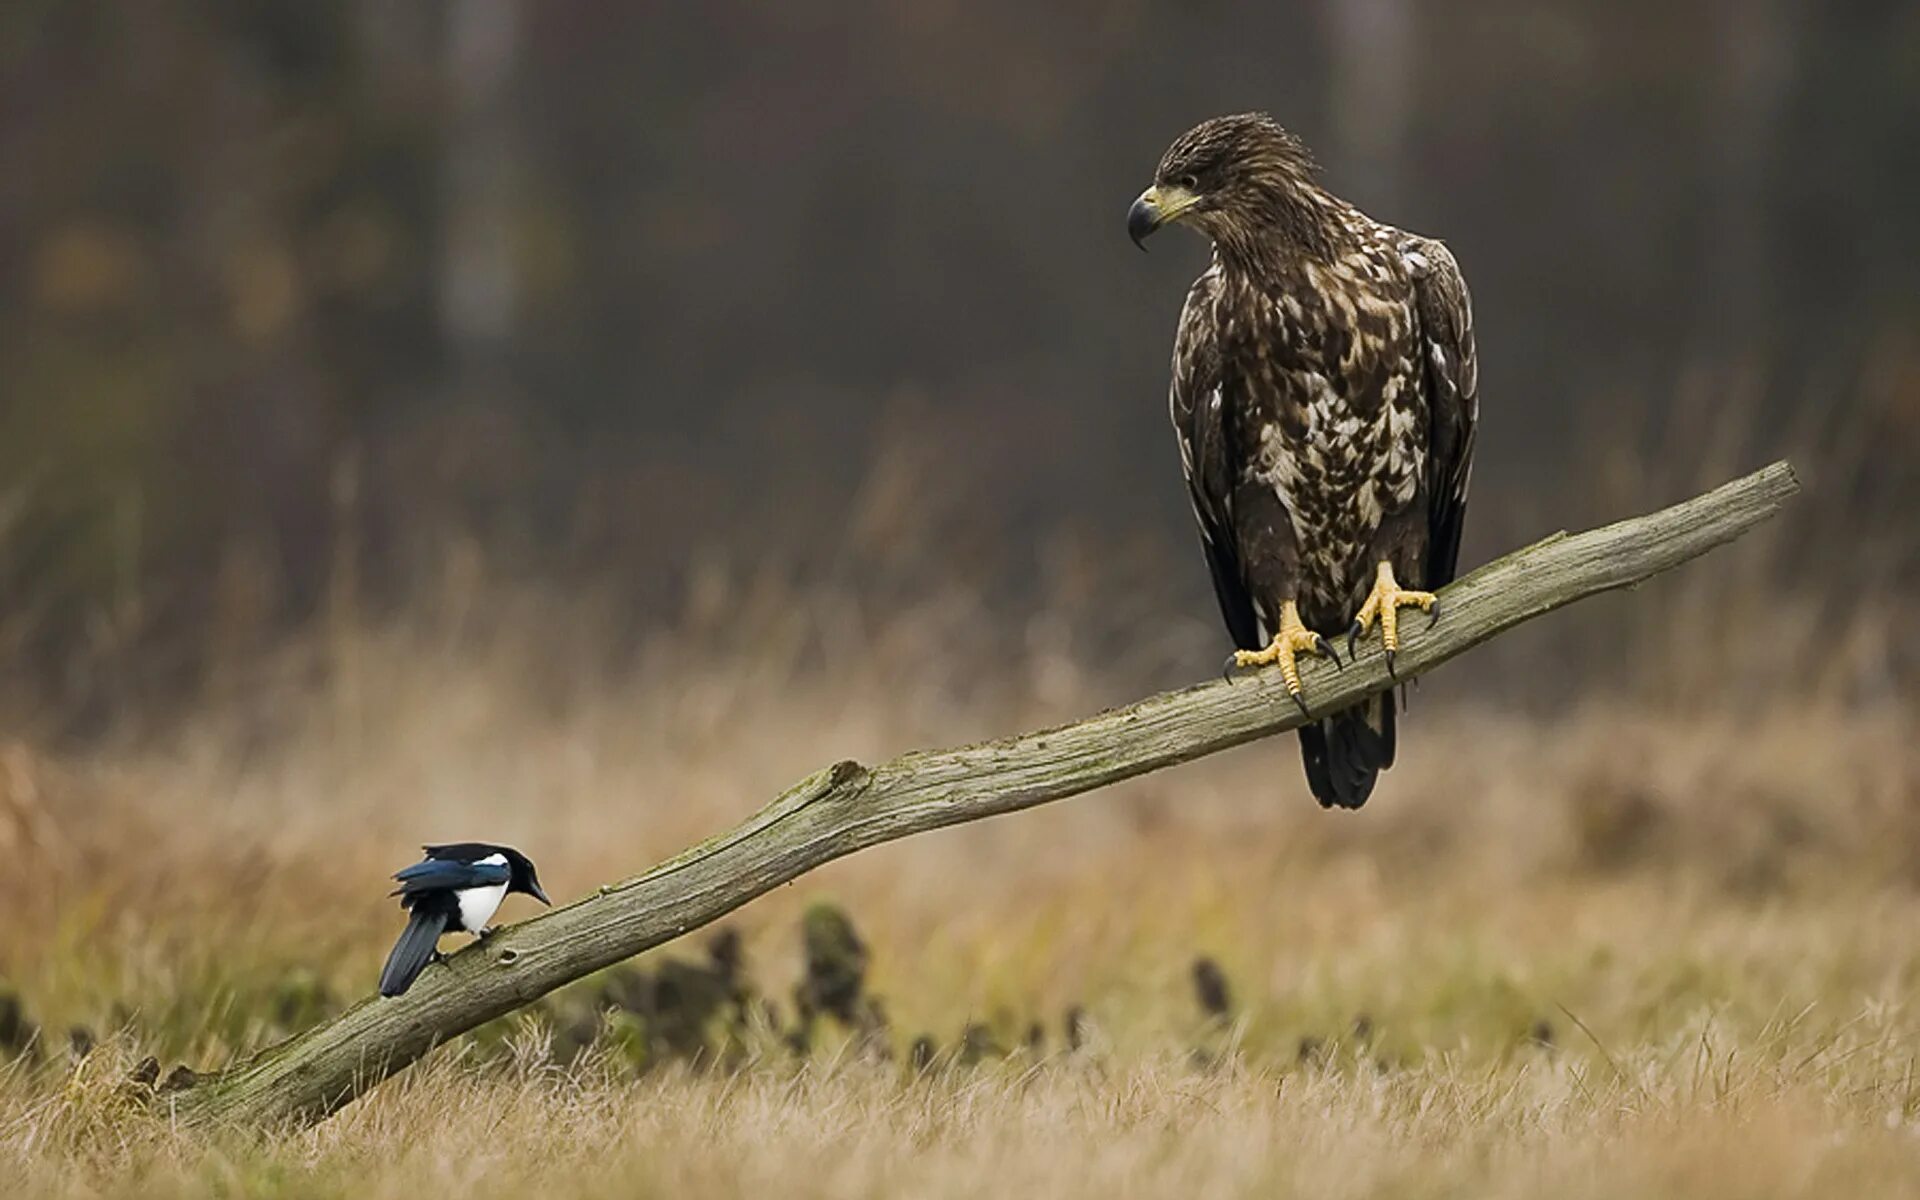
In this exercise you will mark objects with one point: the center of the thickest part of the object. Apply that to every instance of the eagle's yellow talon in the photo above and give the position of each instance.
(1293, 639)
(1384, 602)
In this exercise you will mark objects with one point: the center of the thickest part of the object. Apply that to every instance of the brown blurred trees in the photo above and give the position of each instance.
(561, 277)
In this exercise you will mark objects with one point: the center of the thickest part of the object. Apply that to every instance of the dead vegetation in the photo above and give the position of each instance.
(1632, 917)
(1615, 950)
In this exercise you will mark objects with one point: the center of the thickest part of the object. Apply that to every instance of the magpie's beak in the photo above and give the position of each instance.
(538, 893)
(1155, 207)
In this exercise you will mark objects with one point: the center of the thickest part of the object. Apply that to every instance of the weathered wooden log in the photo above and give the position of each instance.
(848, 807)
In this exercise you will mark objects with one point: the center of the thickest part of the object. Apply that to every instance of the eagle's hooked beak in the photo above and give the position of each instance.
(1155, 207)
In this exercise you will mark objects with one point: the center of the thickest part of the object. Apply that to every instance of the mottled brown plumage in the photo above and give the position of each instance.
(1324, 395)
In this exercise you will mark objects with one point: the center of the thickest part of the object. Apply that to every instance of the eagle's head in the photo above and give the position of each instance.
(1240, 180)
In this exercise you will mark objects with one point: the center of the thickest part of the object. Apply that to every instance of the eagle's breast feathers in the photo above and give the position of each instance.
(1312, 381)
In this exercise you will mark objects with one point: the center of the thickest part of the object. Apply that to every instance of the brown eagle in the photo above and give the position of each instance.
(1324, 396)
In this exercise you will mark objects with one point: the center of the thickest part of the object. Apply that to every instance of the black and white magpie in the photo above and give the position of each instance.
(456, 887)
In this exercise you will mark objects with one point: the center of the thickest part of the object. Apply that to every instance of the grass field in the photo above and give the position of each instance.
(1629, 948)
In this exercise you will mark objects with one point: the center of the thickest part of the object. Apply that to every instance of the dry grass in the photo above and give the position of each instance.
(1679, 1121)
(1657, 941)
(1623, 950)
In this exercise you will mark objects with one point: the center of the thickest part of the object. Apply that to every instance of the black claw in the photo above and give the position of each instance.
(1353, 639)
(1390, 672)
(1433, 614)
(1227, 668)
(1325, 647)
(1302, 702)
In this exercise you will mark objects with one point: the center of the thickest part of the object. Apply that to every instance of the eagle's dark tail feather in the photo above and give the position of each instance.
(412, 952)
(1346, 752)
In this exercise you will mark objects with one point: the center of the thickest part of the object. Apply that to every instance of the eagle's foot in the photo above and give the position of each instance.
(1293, 639)
(1385, 602)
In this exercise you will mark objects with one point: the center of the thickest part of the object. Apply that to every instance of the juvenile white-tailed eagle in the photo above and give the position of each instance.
(1325, 398)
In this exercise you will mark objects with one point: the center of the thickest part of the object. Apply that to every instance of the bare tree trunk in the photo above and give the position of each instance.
(848, 807)
(478, 280)
(1752, 74)
(1372, 83)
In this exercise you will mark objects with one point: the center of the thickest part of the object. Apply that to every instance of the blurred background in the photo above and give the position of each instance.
(302, 301)
(568, 423)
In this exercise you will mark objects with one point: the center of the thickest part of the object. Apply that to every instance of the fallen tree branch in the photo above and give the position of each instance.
(848, 807)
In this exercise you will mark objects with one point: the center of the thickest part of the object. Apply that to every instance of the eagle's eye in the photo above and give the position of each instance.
(1189, 181)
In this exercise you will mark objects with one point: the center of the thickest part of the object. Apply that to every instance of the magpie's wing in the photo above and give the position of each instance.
(445, 874)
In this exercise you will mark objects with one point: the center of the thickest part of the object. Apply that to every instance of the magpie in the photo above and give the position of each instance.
(457, 886)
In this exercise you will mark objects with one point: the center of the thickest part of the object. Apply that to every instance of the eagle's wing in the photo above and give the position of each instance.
(1207, 459)
(1453, 399)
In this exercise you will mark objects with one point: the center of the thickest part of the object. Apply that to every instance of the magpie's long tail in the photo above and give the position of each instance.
(1346, 752)
(412, 952)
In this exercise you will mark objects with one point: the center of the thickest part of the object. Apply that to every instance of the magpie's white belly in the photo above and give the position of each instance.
(478, 904)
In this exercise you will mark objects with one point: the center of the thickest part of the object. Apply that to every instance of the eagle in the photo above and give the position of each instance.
(1325, 398)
